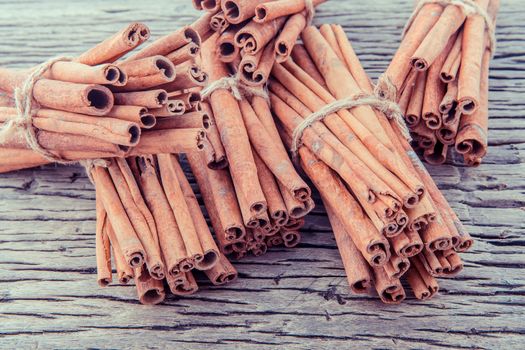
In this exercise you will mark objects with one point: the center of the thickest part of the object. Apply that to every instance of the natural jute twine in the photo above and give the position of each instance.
(469, 8)
(310, 11)
(25, 110)
(389, 108)
(236, 87)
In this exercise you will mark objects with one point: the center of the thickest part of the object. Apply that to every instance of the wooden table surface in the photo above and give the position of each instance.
(297, 298)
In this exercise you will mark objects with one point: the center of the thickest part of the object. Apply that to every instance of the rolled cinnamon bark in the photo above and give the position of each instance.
(111, 130)
(407, 243)
(168, 43)
(474, 45)
(218, 22)
(116, 45)
(356, 267)
(89, 99)
(423, 22)
(103, 247)
(471, 138)
(183, 284)
(254, 36)
(290, 238)
(149, 290)
(147, 72)
(124, 271)
(183, 54)
(302, 58)
(169, 141)
(268, 11)
(272, 155)
(225, 213)
(189, 75)
(435, 89)
(75, 72)
(125, 186)
(202, 26)
(223, 272)
(437, 236)
(137, 114)
(227, 51)
(285, 42)
(255, 70)
(237, 11)
(171, 243)
(148, 99)
(422, 283)
(128, 242)
(175, 196)
(374, 247)
(397, 266)
(389, 289)
(450, 67)
(436, 40)
(436, 155)
(208, 5)
(233, 133)
(209, 247)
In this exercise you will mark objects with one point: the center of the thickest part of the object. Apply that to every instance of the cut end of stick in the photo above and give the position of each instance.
(231, 11)
(100, 98)
(134, 135)
(104, 282)
(166, 67)
(260, 14)
(148, 121)
(467, 106)
(136, 260)
(152, 297)
(208, 260)
(112, 74)
(419, 64)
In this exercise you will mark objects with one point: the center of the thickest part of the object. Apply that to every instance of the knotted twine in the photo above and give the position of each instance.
(469, 8)
(382, 104)
(25, 112)
(236, 87)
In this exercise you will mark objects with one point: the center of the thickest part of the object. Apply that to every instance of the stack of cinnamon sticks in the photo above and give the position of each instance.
(150, 221)
(389, 218)
(253, 34)
(98, 105)
(440, 72)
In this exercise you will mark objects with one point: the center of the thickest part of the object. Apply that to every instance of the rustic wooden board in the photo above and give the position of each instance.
(297, 298)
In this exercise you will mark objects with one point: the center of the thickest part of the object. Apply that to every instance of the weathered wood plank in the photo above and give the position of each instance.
(296, 298)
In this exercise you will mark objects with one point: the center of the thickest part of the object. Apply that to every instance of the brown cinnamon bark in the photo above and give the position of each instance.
(237, 11)
(116, 45)
(148, 99)
(168, 43)
(171, 243)
(75, 72)
(422, 283)
(149, 290)
(389, 289)
(450, 67)
(89, 99)
(302, 58)
(137, 114)
(268, 11)
(254, 36)
(129, 244)
(227, 51)
(437, 38)
(103, 247)
(183, 284)
(126, 188)
(415, 105)
(183, 54)
(233, 134)
(399, 66)
(147, 72)
(285, 42)
(223, 272)
(356, 267)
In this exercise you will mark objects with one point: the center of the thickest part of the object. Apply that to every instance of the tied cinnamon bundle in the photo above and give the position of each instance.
(390, 220)
(99, 105)
(150, 221)
(259, 200)
(440, 75)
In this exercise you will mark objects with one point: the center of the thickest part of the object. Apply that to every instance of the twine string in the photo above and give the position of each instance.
(25, 112)
(236, 87)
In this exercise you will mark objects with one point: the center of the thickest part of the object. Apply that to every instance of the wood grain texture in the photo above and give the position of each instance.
(297, 298)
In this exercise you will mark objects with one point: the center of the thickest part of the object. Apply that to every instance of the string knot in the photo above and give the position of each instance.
(386, 106)
(25, 112)
(236, 87)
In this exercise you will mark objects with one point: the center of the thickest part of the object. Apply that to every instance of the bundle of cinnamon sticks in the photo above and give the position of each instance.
(389, 218)
(150, 221)
(440, 72)
(99, 105)
(253, 34)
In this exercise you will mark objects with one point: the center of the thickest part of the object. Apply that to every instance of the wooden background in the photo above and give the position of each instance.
(297, 298)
